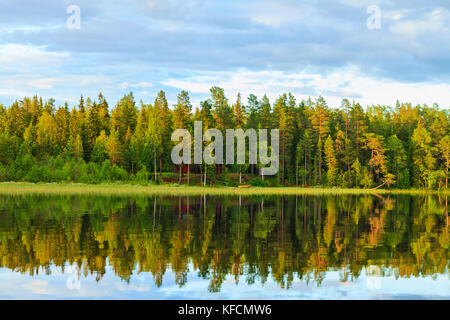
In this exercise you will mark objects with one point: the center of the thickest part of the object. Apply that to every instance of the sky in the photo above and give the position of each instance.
(67, 285)
(331, 48)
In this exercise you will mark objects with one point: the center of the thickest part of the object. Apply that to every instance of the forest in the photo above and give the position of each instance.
(346, 146)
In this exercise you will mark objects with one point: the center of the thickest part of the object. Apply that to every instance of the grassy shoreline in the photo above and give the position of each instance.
(22, 188)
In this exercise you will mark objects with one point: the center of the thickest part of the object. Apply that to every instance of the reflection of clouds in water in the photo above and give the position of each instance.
(15, 285)
(138, 283)
(38, 287)
(132, 287)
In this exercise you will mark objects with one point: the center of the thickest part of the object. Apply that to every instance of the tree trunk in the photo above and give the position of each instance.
(189, 174)
(357, 139)
(304, 177)
(446, 213)
(154, 160)
(446, 174)
(160, 167)
(320, 165)
(348, 170)
(346, 149)
(284, 156)
(379, 186)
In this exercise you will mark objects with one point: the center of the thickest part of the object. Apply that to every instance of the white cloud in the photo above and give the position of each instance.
(125, 85)
(278, 13)
(45, 83)
(434, 22)
(65, 87)
(19, 54)
(39, 287)
(11, 92)
(348, 83)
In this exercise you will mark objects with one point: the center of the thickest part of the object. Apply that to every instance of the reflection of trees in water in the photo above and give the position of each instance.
(283, 237)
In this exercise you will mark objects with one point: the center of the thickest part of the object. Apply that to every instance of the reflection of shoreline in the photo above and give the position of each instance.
(279, 238)
(22, 188)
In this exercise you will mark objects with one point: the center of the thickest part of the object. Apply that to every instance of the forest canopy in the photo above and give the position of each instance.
(348, 146)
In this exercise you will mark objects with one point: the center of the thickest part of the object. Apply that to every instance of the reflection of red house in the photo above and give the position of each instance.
(184, 168)
(185, 208)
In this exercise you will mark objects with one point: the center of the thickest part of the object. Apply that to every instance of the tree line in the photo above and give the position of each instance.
(347, 146)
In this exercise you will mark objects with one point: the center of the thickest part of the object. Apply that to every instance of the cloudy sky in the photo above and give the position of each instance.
(309, 48)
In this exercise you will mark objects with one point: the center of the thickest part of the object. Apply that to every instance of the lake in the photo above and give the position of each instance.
(209, 247)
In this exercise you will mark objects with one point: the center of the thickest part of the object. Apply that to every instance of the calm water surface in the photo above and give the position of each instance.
(304, 247)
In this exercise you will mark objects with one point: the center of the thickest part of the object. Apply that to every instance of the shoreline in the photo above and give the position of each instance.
(24, 188)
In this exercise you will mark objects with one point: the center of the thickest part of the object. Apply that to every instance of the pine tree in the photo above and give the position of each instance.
(125, 115)
(280, 114)
(423, 158)
(239, 113)
(62, 119)
(292, 137)
(377, 160)
(397, 161)
(445, 151)
(307, 146)
(100, 150)
(154, 135)
(320, 120)
(358, 126)
(46, 133)
(114, 147)
(78, 148)
(266, 114)
(15, 120)
(341, 155)
(164, 128)
(254, 114)
(330, 158)
(93, 128)
(223, 114)
(205, 115)
(81, 107)
(182, 120)
(103, 114)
